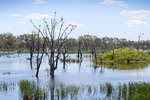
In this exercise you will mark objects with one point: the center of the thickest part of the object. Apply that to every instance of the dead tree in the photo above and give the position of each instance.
(64, 52)
(38, 57)
(54, 39)
(139, 37)
(79, 52)
(32, 48)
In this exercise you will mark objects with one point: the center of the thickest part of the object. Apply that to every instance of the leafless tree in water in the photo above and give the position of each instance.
(55, 35)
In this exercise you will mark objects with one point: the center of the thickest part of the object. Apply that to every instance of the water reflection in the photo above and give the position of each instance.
(31, 90)
(133, 66)
(84, 72)
(80, 62)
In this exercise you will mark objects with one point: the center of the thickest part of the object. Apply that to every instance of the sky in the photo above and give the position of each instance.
(102, 18)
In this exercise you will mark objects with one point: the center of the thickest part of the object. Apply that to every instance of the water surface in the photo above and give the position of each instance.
(74, 73)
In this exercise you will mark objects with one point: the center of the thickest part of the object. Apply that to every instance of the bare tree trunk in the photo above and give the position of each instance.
(32, 47)
(39, 60)
(31, 61)
(52, 88)
(19, 52)
(51, 60)
(64, 57)
(79, 54)
(31, 57)
(95, 56)
(64, 62)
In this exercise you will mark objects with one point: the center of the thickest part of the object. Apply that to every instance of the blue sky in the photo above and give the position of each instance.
(111, 18)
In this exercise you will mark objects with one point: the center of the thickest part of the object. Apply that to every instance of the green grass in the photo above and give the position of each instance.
(71, 60)
(5, 87)
(106, 91)
(130, 91)
(31, 90)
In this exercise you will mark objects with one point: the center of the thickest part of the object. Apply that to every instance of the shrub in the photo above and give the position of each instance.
(124, 56)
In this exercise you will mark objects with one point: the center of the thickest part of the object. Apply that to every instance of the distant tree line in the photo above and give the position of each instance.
(85, 43)
(33, 43)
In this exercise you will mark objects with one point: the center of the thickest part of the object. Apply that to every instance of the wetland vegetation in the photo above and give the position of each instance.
(60, 90)
(87, 80)
(124, 59)
(29, 90)
(47, 65)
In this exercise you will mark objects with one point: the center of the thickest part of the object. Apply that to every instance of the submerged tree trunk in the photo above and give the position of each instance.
(31, 57)
(95, 56)
(19, 52)
(64, 60)
(31, 63)
(52, 90)
(101, 60)
(64, 55)
(93, 52)
(39, 59)
(79, 54)
(52, 63)
(32, 47)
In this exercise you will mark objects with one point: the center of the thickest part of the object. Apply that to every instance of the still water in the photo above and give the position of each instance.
(14, 68)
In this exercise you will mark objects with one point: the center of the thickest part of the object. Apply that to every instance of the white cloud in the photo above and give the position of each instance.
(138, 14)
(39, 2)
(77, 24)
(134, 22)
(15, 15)
(114, 2)
(38, 16)
(21, 22)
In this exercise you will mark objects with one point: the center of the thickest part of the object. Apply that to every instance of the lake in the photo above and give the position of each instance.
(14, 68)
